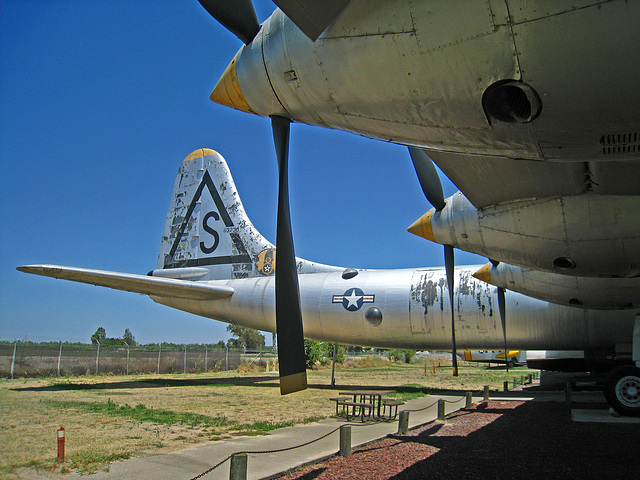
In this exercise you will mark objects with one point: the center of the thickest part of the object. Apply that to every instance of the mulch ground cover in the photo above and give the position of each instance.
(495, 439)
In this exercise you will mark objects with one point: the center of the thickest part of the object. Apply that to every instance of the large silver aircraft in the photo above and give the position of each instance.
(531, 109)
(214, 263)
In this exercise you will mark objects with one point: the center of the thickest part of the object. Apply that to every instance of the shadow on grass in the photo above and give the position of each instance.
(270, 381)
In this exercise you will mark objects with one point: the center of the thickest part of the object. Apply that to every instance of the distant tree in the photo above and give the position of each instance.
(99, 336)
(245, 337)
(220, 344)
(129, 338)
(328, 352)
(313, 352)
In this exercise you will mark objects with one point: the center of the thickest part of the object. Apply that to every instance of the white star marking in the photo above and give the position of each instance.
(353, 299)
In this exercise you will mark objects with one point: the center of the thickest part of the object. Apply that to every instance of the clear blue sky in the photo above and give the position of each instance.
(99, 104)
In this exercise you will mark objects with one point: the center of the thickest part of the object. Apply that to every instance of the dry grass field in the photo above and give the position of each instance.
(108, 418)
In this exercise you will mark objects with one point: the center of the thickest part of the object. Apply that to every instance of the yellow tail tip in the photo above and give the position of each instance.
(200, 153)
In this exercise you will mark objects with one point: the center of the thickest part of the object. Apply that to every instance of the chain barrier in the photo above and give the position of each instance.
(434, 403)
(278, 450)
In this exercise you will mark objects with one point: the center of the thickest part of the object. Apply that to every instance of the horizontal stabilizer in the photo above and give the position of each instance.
(146, 285)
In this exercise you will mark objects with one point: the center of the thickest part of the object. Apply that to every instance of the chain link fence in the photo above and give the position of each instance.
(29, 360)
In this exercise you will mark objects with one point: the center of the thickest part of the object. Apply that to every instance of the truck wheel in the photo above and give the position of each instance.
(622, 390)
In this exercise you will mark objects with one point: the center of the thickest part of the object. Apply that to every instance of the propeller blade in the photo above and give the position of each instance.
(428, 177)
(237, 16)
(503, 318)
(448, 265)
(293, 372)
(432, 188)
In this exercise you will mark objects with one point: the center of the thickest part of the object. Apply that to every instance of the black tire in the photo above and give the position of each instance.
(622, 390)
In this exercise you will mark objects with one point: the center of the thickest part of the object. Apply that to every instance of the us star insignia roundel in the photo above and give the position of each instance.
(353, 299)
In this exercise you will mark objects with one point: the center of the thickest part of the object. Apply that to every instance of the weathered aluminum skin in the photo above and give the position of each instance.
(416, 315)
(599, 233)
(414, 72)
(207, 227)
(586, 292)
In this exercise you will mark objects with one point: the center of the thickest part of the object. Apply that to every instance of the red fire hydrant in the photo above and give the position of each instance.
(61, 445)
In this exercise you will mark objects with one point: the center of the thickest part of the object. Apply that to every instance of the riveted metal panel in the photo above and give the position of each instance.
(585, 65)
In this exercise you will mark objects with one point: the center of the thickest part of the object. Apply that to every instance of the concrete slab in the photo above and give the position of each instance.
(600, 416)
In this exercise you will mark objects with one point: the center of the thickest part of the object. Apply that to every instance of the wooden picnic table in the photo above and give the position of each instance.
(374, 399)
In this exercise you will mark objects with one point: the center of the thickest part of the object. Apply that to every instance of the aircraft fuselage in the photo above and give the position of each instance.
(413, 312)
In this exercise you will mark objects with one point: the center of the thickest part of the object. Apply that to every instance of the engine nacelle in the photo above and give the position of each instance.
(581, 235)
(586, 292)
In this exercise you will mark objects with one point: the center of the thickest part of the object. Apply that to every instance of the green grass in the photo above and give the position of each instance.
(159, 416)
(91, 461)
(141, 413)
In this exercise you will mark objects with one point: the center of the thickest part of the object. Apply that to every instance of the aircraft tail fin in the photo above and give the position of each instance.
(207, 227)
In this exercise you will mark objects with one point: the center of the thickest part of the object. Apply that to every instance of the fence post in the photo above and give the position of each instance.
(469, 400)
(206, 358)
(226, 361)
(441, 409)
(97, 357)
(403, 422)
(59, 357)
(13, 360)
(184, 370)
(127, 357)
(486, 393)
(345, 440)
(159, 350)
(238, 467)
(505, 387)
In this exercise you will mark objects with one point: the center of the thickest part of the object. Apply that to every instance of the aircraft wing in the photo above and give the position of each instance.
(490, 180)
(311, 16)
(146, 285)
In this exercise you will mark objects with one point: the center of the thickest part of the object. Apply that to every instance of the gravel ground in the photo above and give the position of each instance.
(496, 439)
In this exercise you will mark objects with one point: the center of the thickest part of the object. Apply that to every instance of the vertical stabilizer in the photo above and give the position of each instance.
(207, 226)
(207, 234)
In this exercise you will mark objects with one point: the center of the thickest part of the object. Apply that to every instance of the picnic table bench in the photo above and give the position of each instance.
(367, 403)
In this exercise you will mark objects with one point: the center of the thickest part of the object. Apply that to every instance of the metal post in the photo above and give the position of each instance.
(515, 382)
(226, 361)
(441, 409)
(345, 440)
(61, 439)
(469, 400)
(98, 357)
(59, 357)
(238, 467)
(206, 358)
(486, 393)
(127, 357)
(333, 367)
(159, 350)
(403, 423)
(185, 360)
(506, 386)
(13, 360)
(567, 392)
